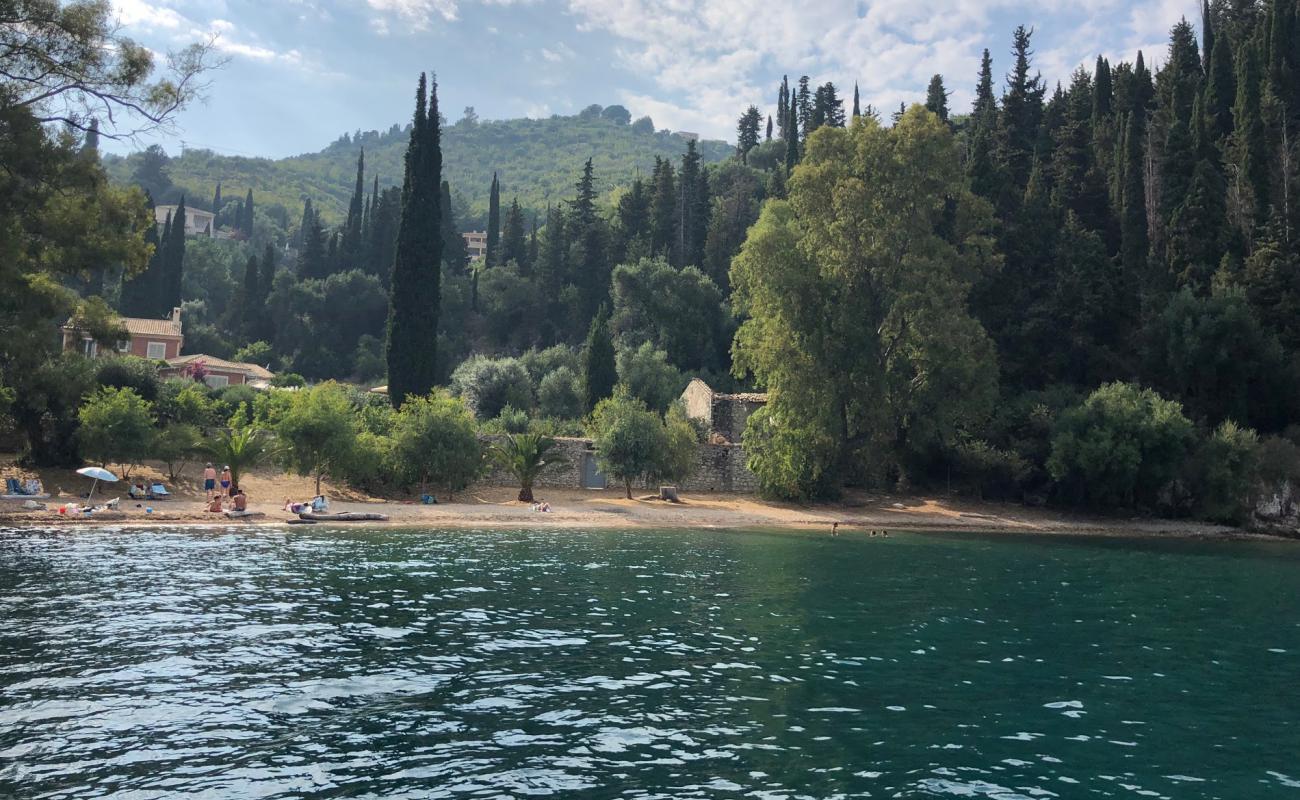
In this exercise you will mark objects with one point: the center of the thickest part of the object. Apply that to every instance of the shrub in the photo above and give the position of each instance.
(116, 427)
(791, 462)
(434, 441)
(185, 402)
(130, 372)
(288, 380)
(1122, 447)
(541, 363)
(318, 431)
(513, 420)
(488, 385)
(1225, 471)
(254, 353)
(558, 394)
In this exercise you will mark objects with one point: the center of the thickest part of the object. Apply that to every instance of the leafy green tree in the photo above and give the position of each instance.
(318, 431)
(599, 370)
(630, 440)
(434, 442)
(649, 377)
(44, 407)
(487, 385)
(416, 282)
(116, 427)
(854, 295)
(679, 311)
(1122, 447)
(1225, 472)
(174, 445)
(526, 456)
(558, 395)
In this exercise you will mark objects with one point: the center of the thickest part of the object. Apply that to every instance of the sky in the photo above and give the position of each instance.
(300, 73)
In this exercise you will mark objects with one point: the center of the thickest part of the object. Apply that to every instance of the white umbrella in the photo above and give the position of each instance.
(99, 474)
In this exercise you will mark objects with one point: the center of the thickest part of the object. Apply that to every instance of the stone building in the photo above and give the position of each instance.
(724, 415)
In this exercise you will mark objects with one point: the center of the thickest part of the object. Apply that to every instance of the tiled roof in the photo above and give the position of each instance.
(212, 362)
(152, 327)
(744, 397)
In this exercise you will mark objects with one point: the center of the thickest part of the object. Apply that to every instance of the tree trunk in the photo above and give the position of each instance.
(627, 486)
(318, 476)
(526, 494)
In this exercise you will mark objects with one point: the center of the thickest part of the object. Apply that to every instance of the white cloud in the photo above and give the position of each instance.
(146, 16)
(709, 55)
(414, 13)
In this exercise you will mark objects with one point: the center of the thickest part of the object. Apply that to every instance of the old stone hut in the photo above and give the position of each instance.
(725, 415)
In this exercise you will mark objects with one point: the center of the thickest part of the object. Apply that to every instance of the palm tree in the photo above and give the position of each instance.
(239, 448)
(525, 455)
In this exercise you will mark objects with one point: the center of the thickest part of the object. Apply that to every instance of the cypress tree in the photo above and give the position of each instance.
(246, 222)
(532, 244)
(551, 266)
(693, 211)
(1133, 219)
(493, 255)
(663, 205)
(141, 295)
(313, 256)
(266, 280)
(599, 371)
(216, 208)
(1249, 148)
(514, 245)
(356, 212)
(783, 106)
(857, 108)
(936, 98)
(174, 261)
(1103, 92)
(633, 214)
(983, 169)
(791, 142)
(454, 252)
(416, 287)
(1220, 92)
(769, 127)
(591, 268)
(249, 294)
(1182, 75)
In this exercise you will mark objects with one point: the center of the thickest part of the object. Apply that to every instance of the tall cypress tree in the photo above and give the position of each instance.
(857, 107)
(216, 208)
(791, 141)
(493, 255)
(246, 221)
(416, 286)
(693, 211)
(142, 294)
(783, 106)
(1249, 147)
(352, 227)
(769, 127)
(313, 256)
(985, 176)
(663, 205)
(249, 310)
(1220, 92)
(599, 371)
(174, 261)
(454, 252)
(514, 244)
(591, 267)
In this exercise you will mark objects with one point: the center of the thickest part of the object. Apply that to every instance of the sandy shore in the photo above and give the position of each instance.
(487, 507)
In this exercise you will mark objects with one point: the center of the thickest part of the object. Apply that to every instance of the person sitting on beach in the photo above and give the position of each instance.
(319, 503)
(209, 478)
(225, 480)
(214, 507)
(241, 500)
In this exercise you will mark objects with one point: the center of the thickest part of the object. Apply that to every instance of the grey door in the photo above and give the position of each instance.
(592, 477)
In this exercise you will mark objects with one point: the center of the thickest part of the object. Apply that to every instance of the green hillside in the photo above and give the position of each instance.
(537, 159)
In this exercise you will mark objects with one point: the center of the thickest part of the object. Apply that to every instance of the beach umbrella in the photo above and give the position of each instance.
(99, 474)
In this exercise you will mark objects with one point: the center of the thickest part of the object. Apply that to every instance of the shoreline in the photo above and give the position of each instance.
(496, 508)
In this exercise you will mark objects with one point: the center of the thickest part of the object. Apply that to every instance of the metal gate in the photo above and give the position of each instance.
(592, 477)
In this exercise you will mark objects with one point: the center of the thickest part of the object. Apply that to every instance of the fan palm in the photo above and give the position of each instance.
(525, 455)
(239, 448)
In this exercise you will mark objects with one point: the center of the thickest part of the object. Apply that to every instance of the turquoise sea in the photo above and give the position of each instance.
(644, 664)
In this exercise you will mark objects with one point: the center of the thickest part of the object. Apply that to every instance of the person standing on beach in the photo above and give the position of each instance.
(209, 479)
(225, 480)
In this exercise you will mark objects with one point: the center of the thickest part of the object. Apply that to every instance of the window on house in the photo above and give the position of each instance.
(157, 351)
(89, 347)
(124, 345)
(217, 381)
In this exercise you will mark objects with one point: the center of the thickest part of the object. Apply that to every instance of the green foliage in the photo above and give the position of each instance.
(45, 404)
(679, 311)
(649, 377)
(634, 443)
(854, 293)
(258, 352)
(184, 402)
(174, 445)
(318, 431)
(513, 420)
(488, 385)
(599, 369)
(116, 427)
(129, 372)
(538, 156)
(525, 456)
(434, 441)
(1224, 473)
(559, 394)
(793, 460)
(1122, 447)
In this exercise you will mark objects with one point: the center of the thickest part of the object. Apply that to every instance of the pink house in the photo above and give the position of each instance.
(154, 339)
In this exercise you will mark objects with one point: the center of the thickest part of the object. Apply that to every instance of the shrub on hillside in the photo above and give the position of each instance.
(488, 385)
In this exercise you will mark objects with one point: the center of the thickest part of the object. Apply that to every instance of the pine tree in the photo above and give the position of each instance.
(1220, 92)
(493, 254)
(693, 209)
(936, 98)
(599, 371)
(804, 107)
(313, 256)
(591, 267)
(1022, 111)
(633, 215)
(985, 175)
(747, 132)
(514, 244)
(416, 283)
(552, 264)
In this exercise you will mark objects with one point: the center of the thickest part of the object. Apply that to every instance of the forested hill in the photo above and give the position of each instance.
(537, 160)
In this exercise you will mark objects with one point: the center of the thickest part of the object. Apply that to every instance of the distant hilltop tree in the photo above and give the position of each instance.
(617, 114)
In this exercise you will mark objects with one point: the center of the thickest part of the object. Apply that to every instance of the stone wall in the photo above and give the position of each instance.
(730, 413)
(719, 468)
(1277, 511)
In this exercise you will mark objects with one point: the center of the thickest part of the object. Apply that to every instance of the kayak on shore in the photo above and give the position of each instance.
(343, 516)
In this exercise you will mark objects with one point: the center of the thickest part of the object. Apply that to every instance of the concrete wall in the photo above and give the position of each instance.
(719, 468)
